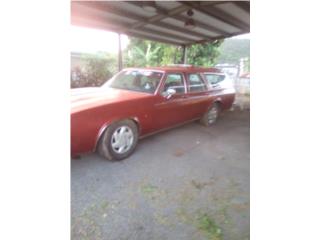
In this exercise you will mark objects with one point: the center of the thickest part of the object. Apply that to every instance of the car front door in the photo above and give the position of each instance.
(171, 110)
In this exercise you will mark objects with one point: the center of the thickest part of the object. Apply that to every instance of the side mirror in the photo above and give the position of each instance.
(168, 94)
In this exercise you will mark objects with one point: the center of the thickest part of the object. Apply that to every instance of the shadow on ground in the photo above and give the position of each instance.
(191, 182)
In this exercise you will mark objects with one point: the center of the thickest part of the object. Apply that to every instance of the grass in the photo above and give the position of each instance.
(104, 205)
(182, 215)
(211, 229)
(86, 226)
(148, 189)
(199, 185)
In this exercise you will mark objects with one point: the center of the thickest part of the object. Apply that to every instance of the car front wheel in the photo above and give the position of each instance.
(119, 140)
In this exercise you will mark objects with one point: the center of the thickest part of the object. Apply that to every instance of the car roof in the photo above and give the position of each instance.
(181, 68)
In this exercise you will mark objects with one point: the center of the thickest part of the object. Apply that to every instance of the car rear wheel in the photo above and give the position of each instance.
(119, 140)
(211, 116)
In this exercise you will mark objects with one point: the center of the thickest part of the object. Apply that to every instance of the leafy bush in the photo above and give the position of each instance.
(100, 67)
(97, 69)
(142, 53)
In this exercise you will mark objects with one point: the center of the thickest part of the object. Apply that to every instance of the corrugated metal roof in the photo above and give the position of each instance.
(234, 9)
(213, 19)
(165, 30)
(213, 22)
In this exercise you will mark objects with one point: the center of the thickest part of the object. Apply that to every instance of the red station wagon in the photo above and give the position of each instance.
(138, 102)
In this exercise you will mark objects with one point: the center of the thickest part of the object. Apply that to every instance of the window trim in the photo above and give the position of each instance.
(165, 79)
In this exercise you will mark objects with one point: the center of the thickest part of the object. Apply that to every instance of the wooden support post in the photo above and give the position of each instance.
(184, 54)
(119, 53)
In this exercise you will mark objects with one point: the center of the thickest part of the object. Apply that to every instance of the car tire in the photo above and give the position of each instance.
(211, 116)
(119, 140)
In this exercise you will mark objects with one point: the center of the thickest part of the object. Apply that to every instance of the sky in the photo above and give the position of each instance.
(243, 36)
(89, 40)
(92, 40)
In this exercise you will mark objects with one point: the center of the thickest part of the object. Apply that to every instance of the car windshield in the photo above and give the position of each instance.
(136, 80)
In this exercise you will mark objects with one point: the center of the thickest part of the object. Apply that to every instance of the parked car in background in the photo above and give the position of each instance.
(232, 70)
(138, 102)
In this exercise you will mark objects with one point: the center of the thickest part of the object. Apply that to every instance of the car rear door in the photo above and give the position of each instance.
(198, 96)
(222, 87)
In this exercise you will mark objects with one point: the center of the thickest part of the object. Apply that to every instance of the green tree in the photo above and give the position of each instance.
(101, 66)
(204, 54)
(141, 53)
(144, 56)
(171, 54)
(232, 50)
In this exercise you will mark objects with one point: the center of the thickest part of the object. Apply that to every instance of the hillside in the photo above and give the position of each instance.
(231, 50)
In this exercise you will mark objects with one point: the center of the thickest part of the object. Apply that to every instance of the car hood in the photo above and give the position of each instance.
(84, 98)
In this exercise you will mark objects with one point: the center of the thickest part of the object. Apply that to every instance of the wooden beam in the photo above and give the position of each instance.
(212, 11)
(210, 3)
(214, 39)
(98, 24)
(164, 34)
(123, 26)
(90, 13)
(175, 14)
(203, 26)
(104, 9)
(163, 25)
(198, 24)
(158, 17)
(181, 30)
(91, 19)
(156, 39)
(244, 5)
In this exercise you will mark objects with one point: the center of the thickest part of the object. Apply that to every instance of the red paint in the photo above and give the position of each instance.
(94, 109)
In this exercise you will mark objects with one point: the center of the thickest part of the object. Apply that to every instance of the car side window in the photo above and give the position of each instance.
(196, 84)
(174, 81)
(214, 78)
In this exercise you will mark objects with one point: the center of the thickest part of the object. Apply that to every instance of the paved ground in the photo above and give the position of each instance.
(191, 182)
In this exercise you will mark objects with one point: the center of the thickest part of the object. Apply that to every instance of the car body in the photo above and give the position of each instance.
(170, 96)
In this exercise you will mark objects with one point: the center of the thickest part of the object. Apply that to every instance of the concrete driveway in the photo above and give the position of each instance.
(191, 182)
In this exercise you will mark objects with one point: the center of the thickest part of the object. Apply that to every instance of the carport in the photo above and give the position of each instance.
(190, 183)
(180, 23)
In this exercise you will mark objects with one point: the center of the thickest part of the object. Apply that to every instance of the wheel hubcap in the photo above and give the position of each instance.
(212, 115)
(122, 139)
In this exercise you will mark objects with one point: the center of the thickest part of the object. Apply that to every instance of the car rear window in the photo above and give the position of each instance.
(214, 78)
